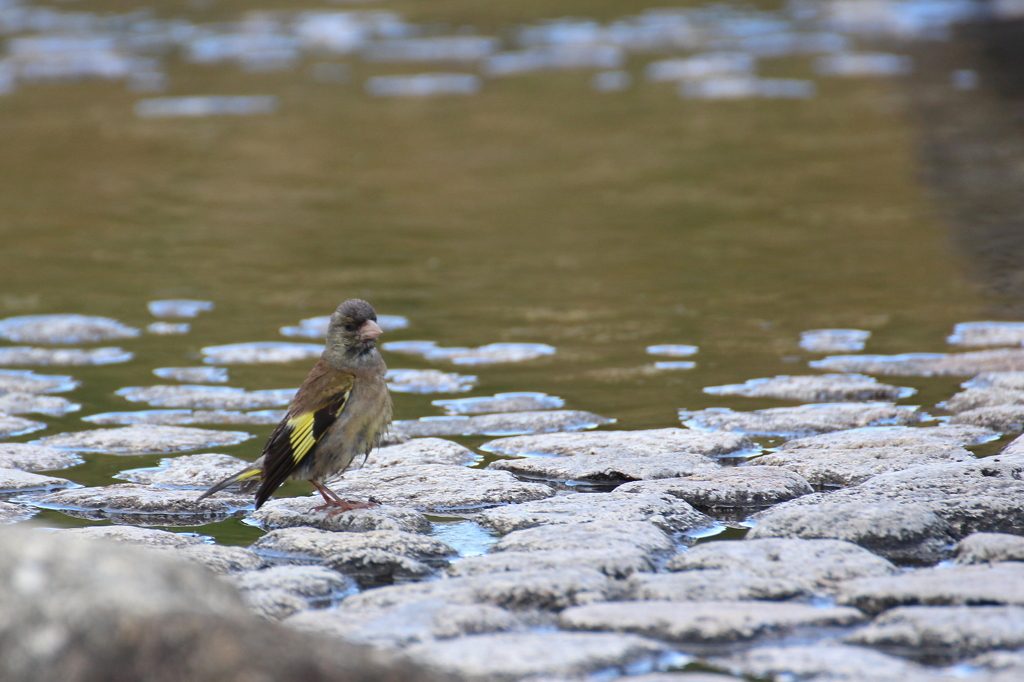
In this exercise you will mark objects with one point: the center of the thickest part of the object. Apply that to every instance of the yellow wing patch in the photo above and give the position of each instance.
(301, 437)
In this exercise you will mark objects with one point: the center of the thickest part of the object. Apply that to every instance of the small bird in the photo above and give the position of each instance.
(341, 411)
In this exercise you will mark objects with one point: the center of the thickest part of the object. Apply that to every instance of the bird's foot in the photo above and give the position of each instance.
(342, 505)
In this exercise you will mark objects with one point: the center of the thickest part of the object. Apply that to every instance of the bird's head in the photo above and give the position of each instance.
(353, 327)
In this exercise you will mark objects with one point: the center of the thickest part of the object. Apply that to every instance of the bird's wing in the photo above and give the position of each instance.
(317, 405)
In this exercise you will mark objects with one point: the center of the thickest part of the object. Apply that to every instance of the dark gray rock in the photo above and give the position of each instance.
(21, 356)
(315, 584)
(804, 420)
(289, 512)
(17, 426)
(36, 458)
(664, 511)
(186, 417)
(207, 397)
(624, 443)
(421, 451)
(30, 403)
(927, 364)
(27, 381)
(608, 467)
(428, 381)
(143, 440)
(14, 481)
(610, 536)
(142, 505)
(728, 489)
(60, 329)
(373, 567)
(502, 424)
(983, 548)
(981, 585)
(816, 388)
(712, 585)
(310, 543)
(618, 564)
(500, 402)
(825, 662)
(12, 513)
(187, 471)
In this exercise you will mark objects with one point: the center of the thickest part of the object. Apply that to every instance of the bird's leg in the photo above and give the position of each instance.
(337, 504)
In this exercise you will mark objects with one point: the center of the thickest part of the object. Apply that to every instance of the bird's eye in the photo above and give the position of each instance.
(350, 326)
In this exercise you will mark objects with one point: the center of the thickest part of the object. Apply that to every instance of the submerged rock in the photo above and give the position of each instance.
(260, 352)
(22, 403)
(834, 340)
(982, 548)
(927, 364)
(508, 423)
(178, 308)
(36, 458)
(207, 397)
(313, 544)
(727, 489)
(428, 381)
(987, 334)
(18, 481)
(805, 420)
(27, 381)
(143, 440)
(186, 417)
(484, 355)
(26, 355)
(624, 443)
(608, 467)
(194, 375)
(187, 471)
(500, 402)
(61, 329)
(316, 327)
(17, 426)
(420, 451)
(290, 512)
(824, 388)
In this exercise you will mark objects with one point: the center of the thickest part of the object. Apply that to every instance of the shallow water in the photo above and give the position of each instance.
(536, 211)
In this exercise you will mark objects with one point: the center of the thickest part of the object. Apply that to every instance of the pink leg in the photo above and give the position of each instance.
(335, 503)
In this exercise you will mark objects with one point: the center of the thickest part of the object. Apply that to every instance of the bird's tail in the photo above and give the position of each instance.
(246, 479)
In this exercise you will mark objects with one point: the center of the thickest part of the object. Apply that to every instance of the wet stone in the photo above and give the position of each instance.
(824, 388)
(705, 622)
(12, 513)
(893, 436)
(17, 426)
(315, 584)
(133, 535)
(375, 567)
(194, 375)
(290, 512)
(1002, 418)
(728, 489)
(927, 364)
(168, 328)
(987, 334)
(685, 677)
(982, 548)
(501, 424)
(186, 417)
(1008, 380)
(428, 381)
(14, 481)
(624, 443)
(834, 340)
(274, 604)
(187, 471)
(711, 585)
(974, 398)
(313, 544)
(827, 662)
(804, 420)
(261, 352)
(484, 355)
(500, 402)
(24, 403)
(623, 562)
(421, 451)
(608, 467)
(609, 536)
(143, 440)
(178, 308)
(437, 487)
(207, 397)
(673, 350)
(218, 558)
(27, 381)
(26, 355)
(316, 327)
(36, 458)
(60, 329)
(940, 635)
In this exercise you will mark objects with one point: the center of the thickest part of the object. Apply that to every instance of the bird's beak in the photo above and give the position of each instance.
(369, 331)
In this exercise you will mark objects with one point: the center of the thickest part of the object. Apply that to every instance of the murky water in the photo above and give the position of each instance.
(539, 210)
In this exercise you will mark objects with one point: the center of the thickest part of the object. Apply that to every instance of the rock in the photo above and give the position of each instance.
(22, 403)
(501, 424)
(18, 481)
(316, 327)
(290, 512)
(621, 563)
(484, 355)
(178, 308)
(1002, 418)
(207, 397)
(1014, 448)
(143, 505)
(274, 604)
(133, 535)
(220, 559)
(27, 355)
(804, 420)
(834, 340)
(667, 513)
(27, 381)
(374, 567)
(36, 458)
(974, 398)
(608, 536)
(893, 436)
(624, 443)
(987, 334)
(684, 677)
(12, 513)
(17, 426)
(608, 467)
(927, 364)
(826, 662)
(261, 352)
(421, 451)
(999, 660)
(982, 548)
(1008, 380)
(437, 487)
(500, 402)
(314, 584)
(981, 585)
(168, 328)
(823, 388)
(428, 381)
(186, 417)
(187, 471)
(705, 622)
(310, 543)
(194, 375)
(817, 566)
(673, 365)
(673, 350)
(60, 329)
(728, 489)
(143, 440)
(711, 585)
(941, 635)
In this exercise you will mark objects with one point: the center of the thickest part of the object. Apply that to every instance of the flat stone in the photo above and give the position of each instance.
(27, 381)
(673, 350)
(421, 451)
(711, 585)
(142, 505)
(727, 489)
(12, 513)
(261, 353)
(834, 340)
(684, 677)
(999, 584)
(999, 660)
(315, 584)
(983, 548)
(987, 334)
(927, 364)
(186, 417)
(610, 536)
(143, 440)
(974, 398)
(437, 487)
(1001, 418)
(817, 566)
(1014, 447)
(484, 355)
(194, 375)
(621, 563)
(18, 481)
(1008, 380)
(187, 471)
(289, 512)
(827, 662)
(940, 635)
(669, 365)
(623, 443)
(274, 604)
(893, 436)
(500, 402)
(509, 423)
(705, 622)
(17, 426)
(819, 388)
(168, 328)
(316, 327)
(178, 308)
(218, 558)
(667, 513)
(61, 329)
(504, 657)
(35, 457)
(428, 381)
(608, 467)
(207, 397)
(311, 543)
(23, 403)
(27, 355)
(804, 420)
(133, 535)
(374, 567)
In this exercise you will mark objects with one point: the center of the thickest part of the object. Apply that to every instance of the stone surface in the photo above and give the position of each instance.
(927, 364)
(624, 443)
(420, 451)
(982, 585)
(186, 417)
(1002, 418)
(207, 397)
(503, 424)
(1008, 380)
(727, 489)
(61, 329)
(826, 662)
(705, 622)
(804, 420)
(18, 481)
(289, 512)
(316, 327)
(218, 558)
(61, 357)
(608, 467)
(143, 505)
(12, 513)
(261, 352)
(194, 375)
(833, 340)
(30, 403)
(500, 402)
(428, 381)
(373, 567)
(673, 350)
(437, 487)
(490, 354)
(133, 535)
(178, 308)
(168, 328)
(274, 604)
(187, 471)
(27, 381)
(310, 543)
(940, 635)
(17, 426)
(981, 548)
(143, 440)
(315, 584)
(817, 388)
(610, 536)
(35, 457)
(621, 563)
(664, 511)
(973, 398)
(987, 334)
(712, 585)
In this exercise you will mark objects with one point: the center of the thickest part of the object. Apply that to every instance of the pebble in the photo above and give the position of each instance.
(186, 417)
(36, 458)
(26, 355)
(316, 584)
(27, 381)
(421, 451)
(17, 426)
(983, 548)
(484, 355)
(61, 329)
(987, 334)
(142, 505)
(134, 535)
(608, 467)
(624, 443)
(621, 563)
(727, 490)
(188, 471)
(503, 424)
(607, 535)
(12, 513)
(428, 381)
(194, 375)
(290, 512)
(207, 397)
(178, 308)
(827, 662)
(22, 403)
(18, 481)
(804, 420)
(711, 585)
(143, 440)
(312, 544)
(673, 350)
(824, 388)
(927, 364)
(316, 327)
(834, 340)
(500, 402)
(261, 352)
